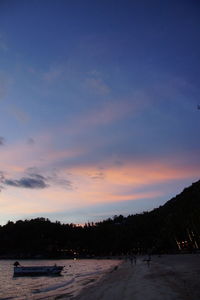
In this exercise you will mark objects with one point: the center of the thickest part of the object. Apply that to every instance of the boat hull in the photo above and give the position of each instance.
(38, 271)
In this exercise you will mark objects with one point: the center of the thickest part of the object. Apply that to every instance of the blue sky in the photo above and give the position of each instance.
(98, 106)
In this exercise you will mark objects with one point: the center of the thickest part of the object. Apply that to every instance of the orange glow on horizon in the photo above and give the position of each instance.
(89, 184)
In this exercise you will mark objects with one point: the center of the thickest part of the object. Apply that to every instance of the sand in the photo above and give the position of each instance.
(169, 277)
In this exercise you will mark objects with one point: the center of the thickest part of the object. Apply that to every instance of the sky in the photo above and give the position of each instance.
(98, 106)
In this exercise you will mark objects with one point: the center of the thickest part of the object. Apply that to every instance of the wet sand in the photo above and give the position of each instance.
(169, 277)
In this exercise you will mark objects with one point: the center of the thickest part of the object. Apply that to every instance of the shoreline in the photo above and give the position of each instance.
(168, 277)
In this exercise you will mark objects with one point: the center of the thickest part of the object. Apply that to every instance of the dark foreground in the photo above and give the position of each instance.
(169, 277)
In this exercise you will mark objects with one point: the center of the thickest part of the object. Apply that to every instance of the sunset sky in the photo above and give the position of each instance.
(98, 106)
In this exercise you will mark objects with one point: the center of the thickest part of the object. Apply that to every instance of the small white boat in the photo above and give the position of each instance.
(37, 270)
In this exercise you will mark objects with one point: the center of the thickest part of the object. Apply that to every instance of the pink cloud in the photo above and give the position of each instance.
(118, 183)
(106, 114)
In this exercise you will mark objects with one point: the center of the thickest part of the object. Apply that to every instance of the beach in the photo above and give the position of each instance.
(166, 277)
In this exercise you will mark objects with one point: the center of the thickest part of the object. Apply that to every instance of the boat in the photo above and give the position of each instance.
(37, 270)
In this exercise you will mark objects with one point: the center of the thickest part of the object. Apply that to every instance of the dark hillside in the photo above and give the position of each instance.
(182, 216)
(173, 227)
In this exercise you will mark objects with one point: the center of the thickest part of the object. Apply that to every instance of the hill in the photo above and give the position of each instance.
(171, 228)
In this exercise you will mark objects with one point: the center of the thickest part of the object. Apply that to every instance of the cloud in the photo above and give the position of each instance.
(53, 177)
(30, 141)
(2, 141)
(2, 177)
(104, 115)
(35, 181)
(63, 182)
(98, 175)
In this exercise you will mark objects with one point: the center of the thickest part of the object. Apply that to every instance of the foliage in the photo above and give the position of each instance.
(172, 227)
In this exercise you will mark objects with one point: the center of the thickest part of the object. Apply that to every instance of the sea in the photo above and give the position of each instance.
(76, 275)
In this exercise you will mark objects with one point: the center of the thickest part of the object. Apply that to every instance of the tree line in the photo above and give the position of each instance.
(171, 228)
